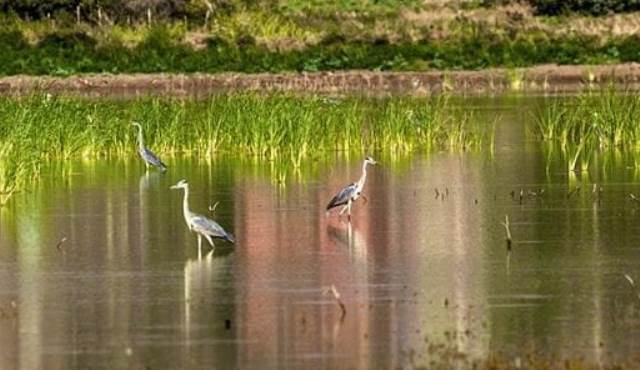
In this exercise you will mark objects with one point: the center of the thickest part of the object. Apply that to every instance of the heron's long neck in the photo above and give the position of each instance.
(140, 138)
(363, 177)
(185, 205)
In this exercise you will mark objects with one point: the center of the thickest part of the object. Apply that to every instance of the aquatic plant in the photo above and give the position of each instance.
(279, 128)
(589, 123)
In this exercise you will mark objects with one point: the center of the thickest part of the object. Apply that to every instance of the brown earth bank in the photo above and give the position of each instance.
(552, 79)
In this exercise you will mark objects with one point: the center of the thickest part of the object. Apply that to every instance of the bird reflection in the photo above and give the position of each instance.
(197, 274)
(345, 234)
(148, 179)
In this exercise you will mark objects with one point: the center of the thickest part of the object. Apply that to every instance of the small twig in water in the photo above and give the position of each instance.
(521, 195)
(535, 194)
(59, 245)
(632, 283)
(630, 280)
(336, 296)
(596, 191)
(573, 191)
(437, 192)
(633, 197)
(212, 208)
(506, 227)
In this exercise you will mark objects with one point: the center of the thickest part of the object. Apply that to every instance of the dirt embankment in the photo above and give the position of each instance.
(541, 79)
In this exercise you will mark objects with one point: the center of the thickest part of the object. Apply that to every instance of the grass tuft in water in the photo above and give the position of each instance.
(590, 123)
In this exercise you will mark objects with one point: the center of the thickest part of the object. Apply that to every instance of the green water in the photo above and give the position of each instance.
(423, 278)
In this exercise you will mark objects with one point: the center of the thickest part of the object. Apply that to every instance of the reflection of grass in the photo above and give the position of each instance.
(278, 128)
(591, 122)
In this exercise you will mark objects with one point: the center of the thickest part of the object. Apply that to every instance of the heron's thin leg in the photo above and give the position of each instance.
(349, 210)
(210, 241)
(343, 210)
(199, 246)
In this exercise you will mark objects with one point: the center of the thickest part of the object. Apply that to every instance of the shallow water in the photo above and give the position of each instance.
(423, 277)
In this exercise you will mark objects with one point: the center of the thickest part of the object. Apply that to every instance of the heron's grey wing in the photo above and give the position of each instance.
(151, 158)
(343, 196)
(204, 225)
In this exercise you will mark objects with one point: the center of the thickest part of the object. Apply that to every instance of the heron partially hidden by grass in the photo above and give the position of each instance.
(149, 157)
(201, 225)
(351, 192)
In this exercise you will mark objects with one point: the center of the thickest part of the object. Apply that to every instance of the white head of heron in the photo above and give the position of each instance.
(137, 124)
(182, 184)
(370, 160)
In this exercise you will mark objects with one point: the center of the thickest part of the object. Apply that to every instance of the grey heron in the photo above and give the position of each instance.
(351, 192)
(149, 157)
(201, 225)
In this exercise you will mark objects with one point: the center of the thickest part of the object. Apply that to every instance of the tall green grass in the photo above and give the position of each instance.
(278, 128)
(590, 123)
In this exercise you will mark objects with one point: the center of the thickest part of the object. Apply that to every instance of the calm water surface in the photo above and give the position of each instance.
(423, 278)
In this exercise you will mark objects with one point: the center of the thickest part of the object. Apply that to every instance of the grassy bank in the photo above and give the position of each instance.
(276, 128)
(299, 36)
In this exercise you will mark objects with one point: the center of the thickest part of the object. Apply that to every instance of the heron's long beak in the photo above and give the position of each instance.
(173, 187)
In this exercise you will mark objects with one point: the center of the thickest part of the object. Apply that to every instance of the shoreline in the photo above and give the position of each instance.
(546, 79)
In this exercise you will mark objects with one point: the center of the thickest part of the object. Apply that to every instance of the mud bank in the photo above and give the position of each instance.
(552, 79)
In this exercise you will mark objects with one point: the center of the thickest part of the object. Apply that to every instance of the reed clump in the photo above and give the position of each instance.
(590, 123)
(280, 127)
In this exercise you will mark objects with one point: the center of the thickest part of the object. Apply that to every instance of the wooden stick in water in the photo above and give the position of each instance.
(59, 245)
(336, 297)
(506, 227)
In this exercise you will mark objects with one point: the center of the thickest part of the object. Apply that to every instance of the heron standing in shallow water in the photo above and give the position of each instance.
(351, 192)
(199, 224)
(149, 157)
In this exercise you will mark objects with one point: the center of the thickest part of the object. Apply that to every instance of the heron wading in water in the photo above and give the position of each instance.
(201, 225)
(351, 192)
(149, 157)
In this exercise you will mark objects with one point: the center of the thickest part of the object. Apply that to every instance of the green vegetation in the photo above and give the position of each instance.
(277, 128)
(120, 36)
(590, 123)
